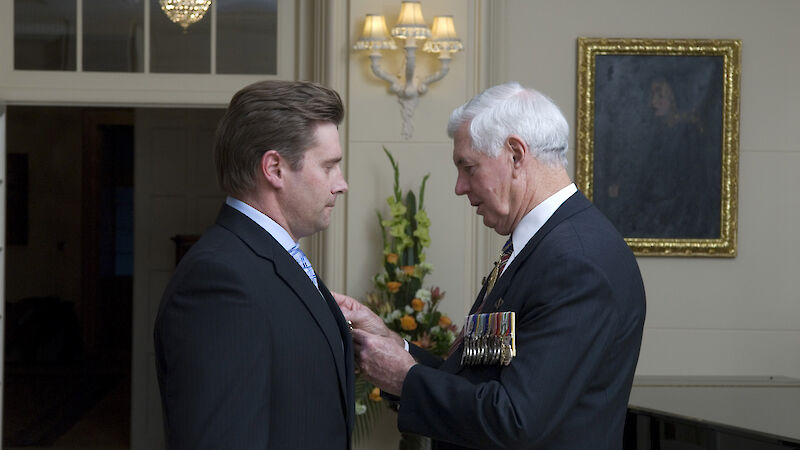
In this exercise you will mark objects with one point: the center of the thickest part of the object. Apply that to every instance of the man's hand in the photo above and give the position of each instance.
(362, 318)
(383, 361)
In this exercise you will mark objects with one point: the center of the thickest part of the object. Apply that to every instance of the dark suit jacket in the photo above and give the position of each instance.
(580, 306)
(248, 353)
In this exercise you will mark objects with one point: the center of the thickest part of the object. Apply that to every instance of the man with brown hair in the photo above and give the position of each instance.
(251, 348)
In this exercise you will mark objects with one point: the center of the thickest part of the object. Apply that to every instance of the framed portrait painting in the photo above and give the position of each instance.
(658, 141)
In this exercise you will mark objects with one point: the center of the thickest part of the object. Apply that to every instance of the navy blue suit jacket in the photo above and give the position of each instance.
(580, 307)
(248, 353)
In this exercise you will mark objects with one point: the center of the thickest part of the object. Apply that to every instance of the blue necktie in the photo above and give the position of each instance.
(301, 259)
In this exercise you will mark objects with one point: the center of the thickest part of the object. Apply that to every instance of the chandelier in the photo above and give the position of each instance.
(185, 12)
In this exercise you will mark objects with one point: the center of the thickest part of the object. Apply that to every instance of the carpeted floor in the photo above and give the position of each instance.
(43, 404)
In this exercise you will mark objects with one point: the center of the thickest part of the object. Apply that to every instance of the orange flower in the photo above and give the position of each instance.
(391, 258)
(408, 270)
(417, 343)
(393, 286)
(417, 304)
(375, 395)
(408, 323)
(444, 321)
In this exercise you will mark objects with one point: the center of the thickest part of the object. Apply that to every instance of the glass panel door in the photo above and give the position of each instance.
(44, 34)
(175, 50)
(113, 35)
(247, 33)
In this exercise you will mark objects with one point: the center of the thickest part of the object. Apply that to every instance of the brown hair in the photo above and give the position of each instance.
(270, 115)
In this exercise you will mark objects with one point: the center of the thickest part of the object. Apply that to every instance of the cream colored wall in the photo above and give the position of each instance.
(705, 316)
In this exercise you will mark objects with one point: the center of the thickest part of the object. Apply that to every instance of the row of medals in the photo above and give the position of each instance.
(488, 339)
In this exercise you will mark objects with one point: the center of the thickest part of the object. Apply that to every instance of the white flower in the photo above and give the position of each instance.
(435, 329)
(425, 268)
(409, 310)
(361, 408)
(423, 294)
(421, 317)
(391, 316)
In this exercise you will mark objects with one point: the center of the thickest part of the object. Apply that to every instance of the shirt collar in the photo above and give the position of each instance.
(264, 221)
(536, 217)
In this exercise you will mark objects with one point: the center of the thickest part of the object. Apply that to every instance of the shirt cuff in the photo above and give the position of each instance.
(406, 344)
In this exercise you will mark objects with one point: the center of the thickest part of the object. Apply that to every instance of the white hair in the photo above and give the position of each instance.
(510, 109)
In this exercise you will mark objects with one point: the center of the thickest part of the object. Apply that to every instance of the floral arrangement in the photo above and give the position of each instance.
(399, 297)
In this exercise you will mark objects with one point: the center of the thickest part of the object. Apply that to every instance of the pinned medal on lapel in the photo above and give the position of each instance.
(489, 339)
(498, 303)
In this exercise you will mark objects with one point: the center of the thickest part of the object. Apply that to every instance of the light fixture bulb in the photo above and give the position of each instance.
(410, 23)
(375, 35)
(444, 39)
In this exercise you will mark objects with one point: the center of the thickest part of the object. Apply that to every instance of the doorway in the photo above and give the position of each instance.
(69, 276)
(95, 199)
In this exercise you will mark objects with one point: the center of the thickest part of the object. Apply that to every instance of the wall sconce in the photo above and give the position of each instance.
(411, 28)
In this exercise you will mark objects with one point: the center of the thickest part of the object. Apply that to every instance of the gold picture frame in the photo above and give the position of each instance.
(658, 141)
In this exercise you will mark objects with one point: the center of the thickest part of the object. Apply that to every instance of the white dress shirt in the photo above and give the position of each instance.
(534, 220)
(278, 232)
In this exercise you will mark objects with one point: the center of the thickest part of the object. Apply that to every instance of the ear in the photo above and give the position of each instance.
(272, 169)
(519, 150)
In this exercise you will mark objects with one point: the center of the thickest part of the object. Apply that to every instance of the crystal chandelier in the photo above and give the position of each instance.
(185, 12)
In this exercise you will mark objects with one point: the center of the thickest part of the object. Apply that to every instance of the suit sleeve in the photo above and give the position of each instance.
(214, 346)
(563, 332)
(425, 357)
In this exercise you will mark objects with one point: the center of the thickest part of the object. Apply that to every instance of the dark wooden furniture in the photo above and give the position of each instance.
(713, 413)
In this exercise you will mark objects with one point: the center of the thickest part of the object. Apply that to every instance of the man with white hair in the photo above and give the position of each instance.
(547, 355)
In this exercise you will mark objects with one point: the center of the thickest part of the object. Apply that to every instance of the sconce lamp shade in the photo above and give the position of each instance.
(411, 24)
(444, 39)
(375, 35)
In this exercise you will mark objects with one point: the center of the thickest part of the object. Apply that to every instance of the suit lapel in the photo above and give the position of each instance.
(344, 366)
(317, 302)
(574, 204)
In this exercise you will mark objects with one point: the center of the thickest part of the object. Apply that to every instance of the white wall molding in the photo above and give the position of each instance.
(330, 35)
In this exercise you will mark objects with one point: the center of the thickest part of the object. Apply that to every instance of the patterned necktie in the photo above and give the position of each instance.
(508, 249)
(301, 259)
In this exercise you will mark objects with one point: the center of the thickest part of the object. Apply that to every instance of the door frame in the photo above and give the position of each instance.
(2, 255)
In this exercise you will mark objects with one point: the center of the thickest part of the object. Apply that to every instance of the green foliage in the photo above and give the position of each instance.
(399, 297)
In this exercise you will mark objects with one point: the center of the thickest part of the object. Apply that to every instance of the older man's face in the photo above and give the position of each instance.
(485, 181)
